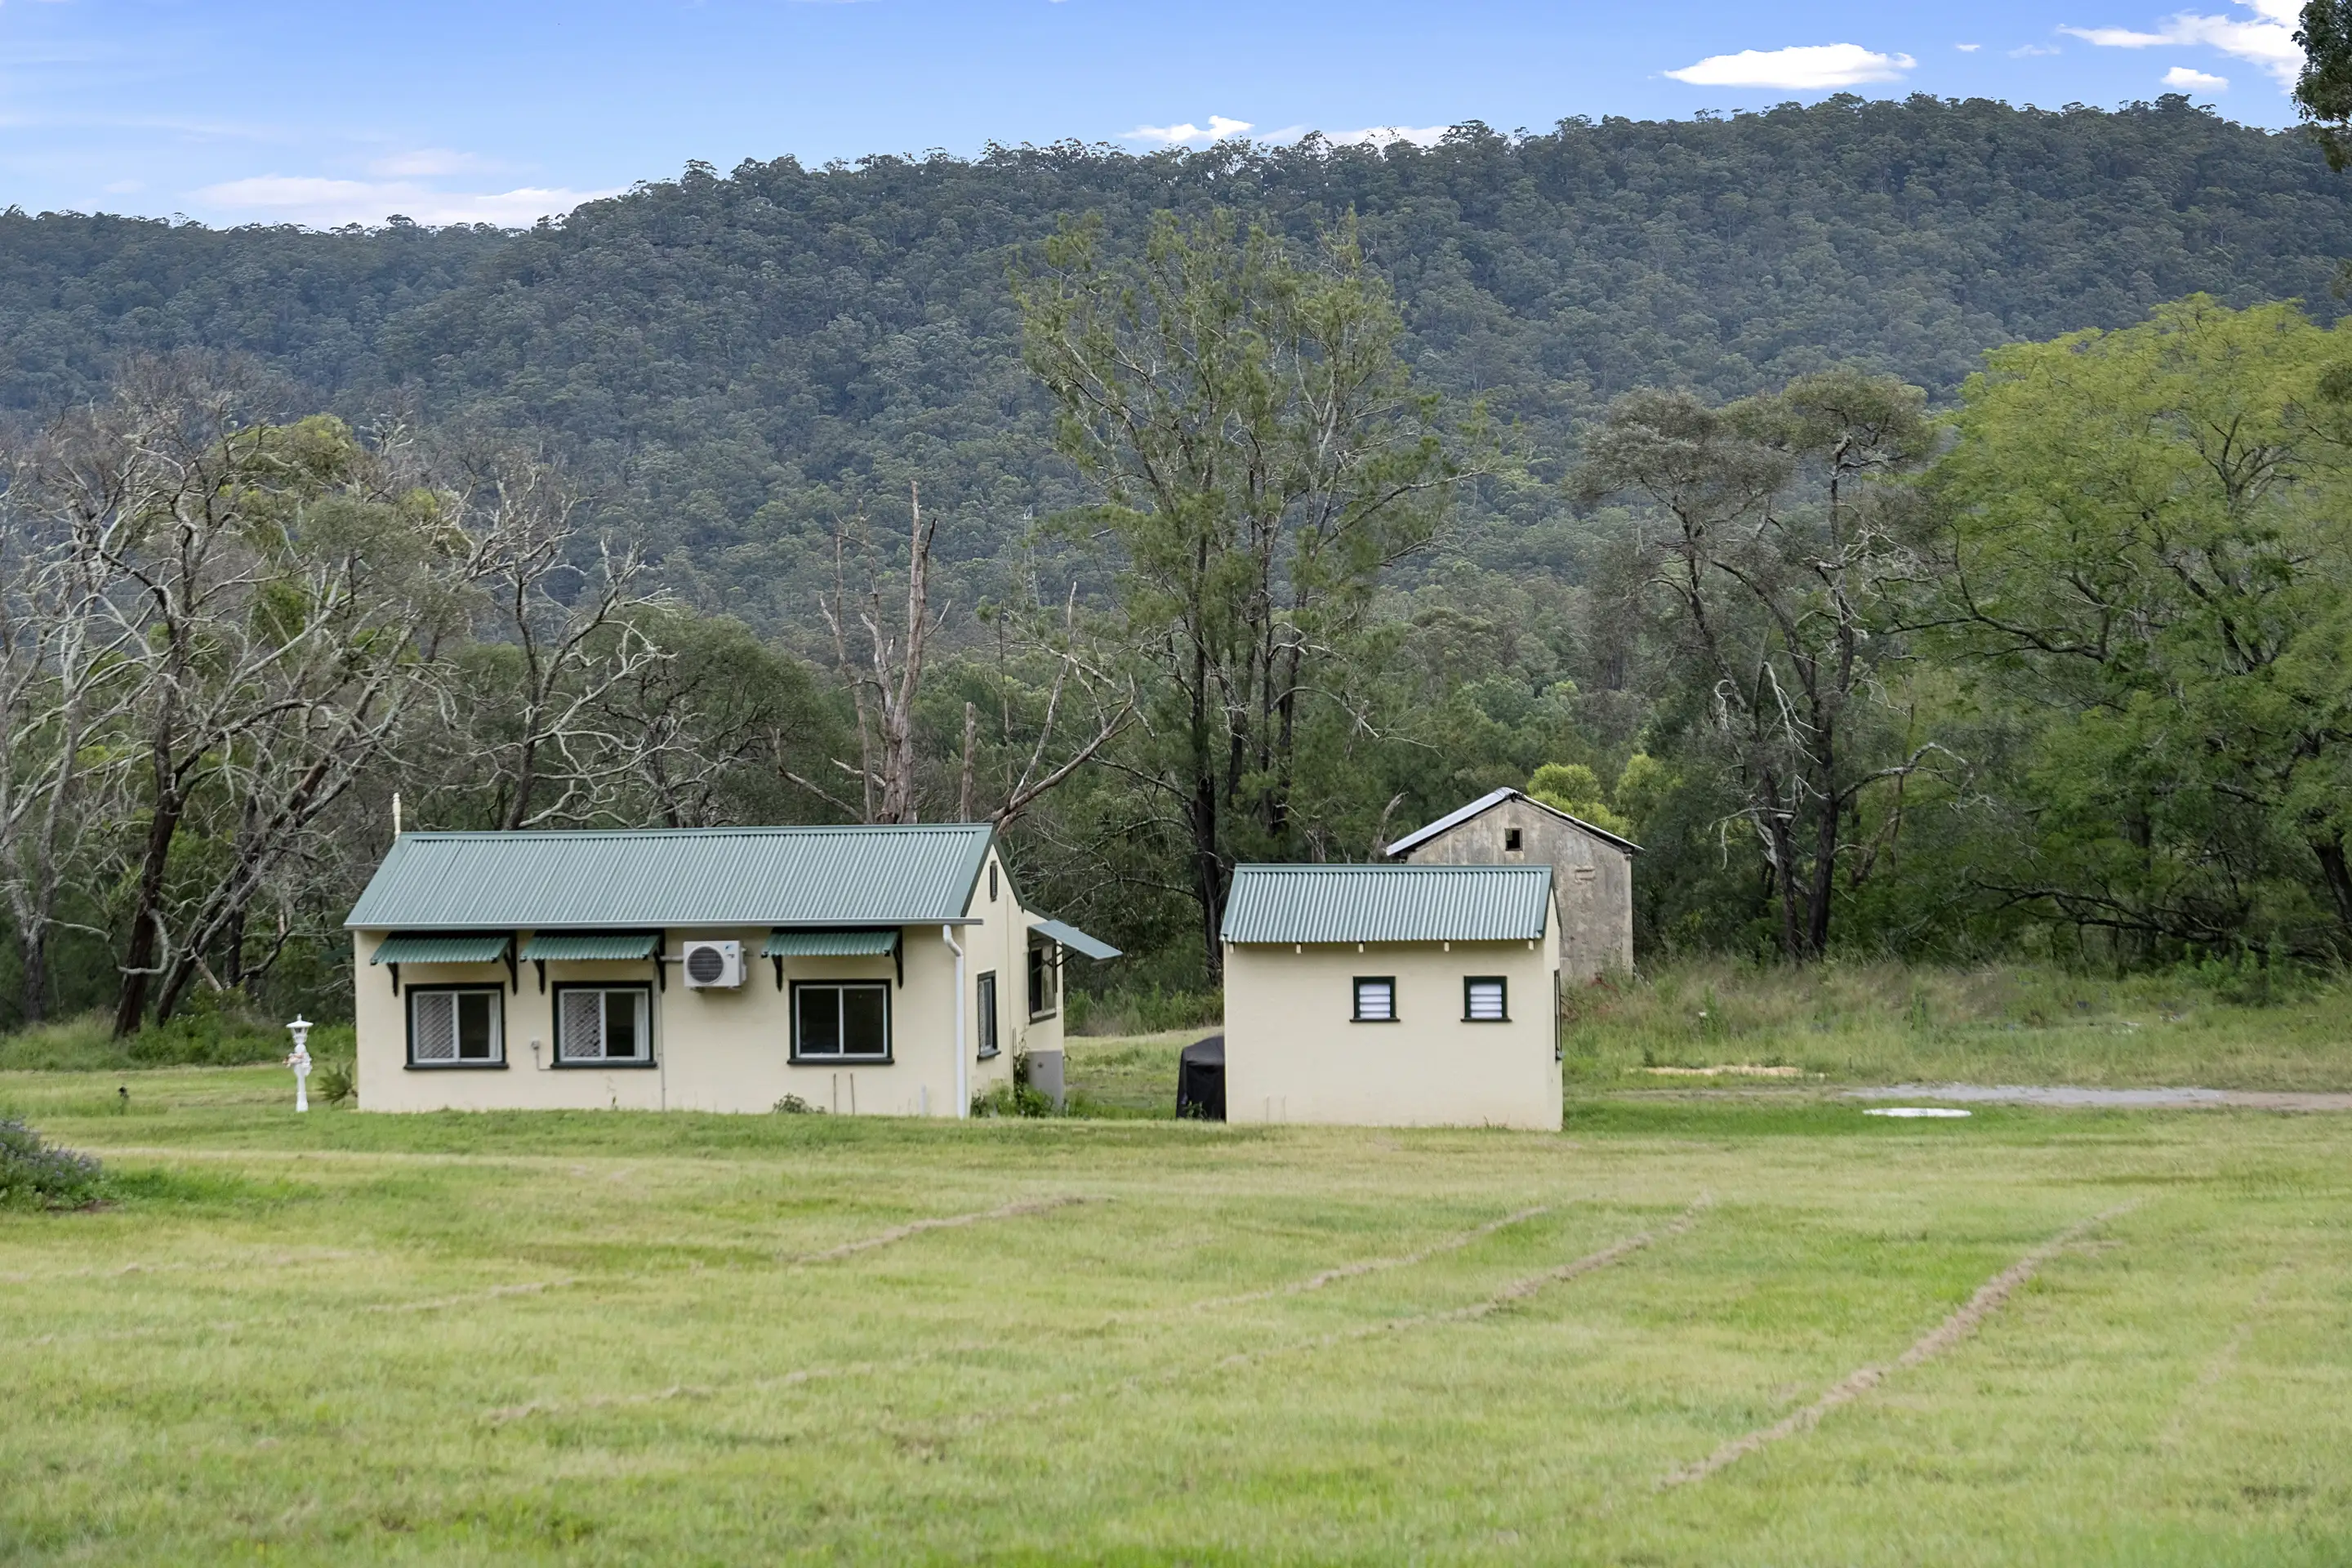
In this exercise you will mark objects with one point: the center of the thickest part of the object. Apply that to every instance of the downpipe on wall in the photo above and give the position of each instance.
(963, 1071)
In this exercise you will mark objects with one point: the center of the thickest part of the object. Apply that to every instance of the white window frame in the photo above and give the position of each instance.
(565, 1056)
(1388, 983)
(841, 1058)
(989, 1015)
(438, 994)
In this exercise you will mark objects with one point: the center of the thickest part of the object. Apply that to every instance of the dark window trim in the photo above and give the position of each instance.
(598, 1063)
(1501, 980)
(1356, 998)
(990, 1021)
(889, 1027)
(408, 1028)
(1053, 952)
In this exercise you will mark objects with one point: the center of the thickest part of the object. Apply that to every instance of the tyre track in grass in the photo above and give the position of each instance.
(899, 1233)
(2224, 1360)
(1988, 1298)
(1316, 1282)
(1509, 1295)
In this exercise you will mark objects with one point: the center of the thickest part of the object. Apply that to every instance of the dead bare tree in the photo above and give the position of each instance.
(885, 675)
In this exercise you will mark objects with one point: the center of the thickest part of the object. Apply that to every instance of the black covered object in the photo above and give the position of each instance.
(1201, 1079)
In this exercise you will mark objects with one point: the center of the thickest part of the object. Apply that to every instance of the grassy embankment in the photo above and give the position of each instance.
(619, 1338)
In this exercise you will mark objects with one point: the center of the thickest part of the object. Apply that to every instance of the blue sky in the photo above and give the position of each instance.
(328, 112)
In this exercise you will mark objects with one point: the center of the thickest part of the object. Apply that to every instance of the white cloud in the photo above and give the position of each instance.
(1176, 135)
(2189, 80)
(426, 161)
(1803, 67)
(2266, 38)
(1381, 135)
(2032, 51)
(1967, 49)
(324, 203)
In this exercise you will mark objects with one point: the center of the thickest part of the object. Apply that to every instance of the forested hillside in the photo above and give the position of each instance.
(1784, 439)
(742, 358)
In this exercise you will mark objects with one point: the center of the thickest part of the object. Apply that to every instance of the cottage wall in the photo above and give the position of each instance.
(1293, 1052)
(723, 1050)
(1593, 880)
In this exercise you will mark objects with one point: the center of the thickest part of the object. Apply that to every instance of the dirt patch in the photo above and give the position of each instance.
(2114, 1098)
(1735, 1070)
(1988, 1300)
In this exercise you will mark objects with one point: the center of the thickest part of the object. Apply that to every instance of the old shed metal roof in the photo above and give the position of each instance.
(1487, 802)
(1387, 903)
(695, 877)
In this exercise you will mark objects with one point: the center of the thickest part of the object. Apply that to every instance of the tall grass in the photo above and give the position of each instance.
(2227, 1023)
(198, 1038)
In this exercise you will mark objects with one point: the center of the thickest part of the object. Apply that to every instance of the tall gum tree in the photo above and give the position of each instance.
(1261, 458)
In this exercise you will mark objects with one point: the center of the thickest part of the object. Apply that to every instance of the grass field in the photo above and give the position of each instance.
(619, 1338)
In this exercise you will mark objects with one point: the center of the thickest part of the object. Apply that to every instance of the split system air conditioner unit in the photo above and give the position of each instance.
(712, 964)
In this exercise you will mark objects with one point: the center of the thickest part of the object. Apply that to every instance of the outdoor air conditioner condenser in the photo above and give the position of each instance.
(710, 965)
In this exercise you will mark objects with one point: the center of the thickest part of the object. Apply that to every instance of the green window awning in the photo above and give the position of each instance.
(546, 947)
(1073, 939)
(795, 944)
(423, 947)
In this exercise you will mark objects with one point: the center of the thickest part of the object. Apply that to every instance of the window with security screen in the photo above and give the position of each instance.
(603, 1025)
(1484, 999)
(457, 1026)
(1376, 999)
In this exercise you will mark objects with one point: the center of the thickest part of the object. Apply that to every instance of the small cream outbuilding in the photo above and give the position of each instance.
(1393, 995)
(869, 970)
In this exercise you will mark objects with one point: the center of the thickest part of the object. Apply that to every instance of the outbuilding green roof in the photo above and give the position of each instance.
(693, 877)
(1387, 903)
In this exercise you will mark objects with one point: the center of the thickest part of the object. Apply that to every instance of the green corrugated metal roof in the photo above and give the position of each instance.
(578, 947)
(1073, 939)
(725, 876)
(423, 947)
(830, 944)
(1387, 903)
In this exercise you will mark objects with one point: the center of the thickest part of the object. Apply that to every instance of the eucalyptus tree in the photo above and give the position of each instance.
(1771, 553)
(2145, 552)
(1260, 458)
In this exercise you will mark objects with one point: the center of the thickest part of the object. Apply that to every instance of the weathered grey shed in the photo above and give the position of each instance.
(1592, 869)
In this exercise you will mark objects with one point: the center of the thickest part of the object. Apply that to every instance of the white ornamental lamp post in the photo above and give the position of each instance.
(300, 1061)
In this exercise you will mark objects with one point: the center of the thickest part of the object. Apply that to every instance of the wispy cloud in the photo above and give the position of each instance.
(423, 162)
(1218, 129)
(2189, 81)
(1803, 67)
(325, 202)
(2266, 38)
(2034, 51)
(1967, 49)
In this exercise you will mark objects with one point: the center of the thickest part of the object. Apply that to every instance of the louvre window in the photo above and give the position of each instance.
(846, 1020)
(453, 1028)
(604, 1024)
(1376, 999)
(987, 1001)
(1482, 999)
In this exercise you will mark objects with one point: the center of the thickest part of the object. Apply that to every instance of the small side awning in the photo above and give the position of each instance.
(579, 947)
(423, 947)
(796, 944)
(1073, 939)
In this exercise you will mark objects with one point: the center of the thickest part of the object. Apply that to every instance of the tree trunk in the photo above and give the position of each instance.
(139, 961)
(33, 958)
(2338, 874)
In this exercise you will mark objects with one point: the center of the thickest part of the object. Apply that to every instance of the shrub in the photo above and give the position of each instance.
(333, 1081)
(36, 1172)
(1013, 1100)
(793, 1105)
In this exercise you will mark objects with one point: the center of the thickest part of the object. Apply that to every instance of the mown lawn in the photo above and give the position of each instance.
(617, 1338)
